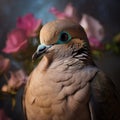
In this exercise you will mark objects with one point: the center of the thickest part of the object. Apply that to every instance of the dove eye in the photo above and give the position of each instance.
(64, 37)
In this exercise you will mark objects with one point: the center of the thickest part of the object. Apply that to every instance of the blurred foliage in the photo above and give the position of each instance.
(114, 46)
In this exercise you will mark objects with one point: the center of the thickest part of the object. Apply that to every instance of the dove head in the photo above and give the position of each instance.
(62, 38)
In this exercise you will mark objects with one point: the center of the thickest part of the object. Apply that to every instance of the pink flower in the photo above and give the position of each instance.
(94, 31)
(17, 79)
(16, 41)
(95, 43)
(57, 13)
(3, 116)
(92, 27)
(4, 64)
(68, 13)
(29, 23)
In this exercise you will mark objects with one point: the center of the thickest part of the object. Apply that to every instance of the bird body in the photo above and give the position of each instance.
(66, 84)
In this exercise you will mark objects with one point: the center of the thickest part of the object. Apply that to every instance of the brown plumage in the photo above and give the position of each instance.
(66, 84)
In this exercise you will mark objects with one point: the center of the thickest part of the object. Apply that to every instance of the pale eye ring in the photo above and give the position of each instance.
(64, 37)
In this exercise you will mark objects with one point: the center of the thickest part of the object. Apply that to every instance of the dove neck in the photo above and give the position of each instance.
(68, 64)
(63, 63)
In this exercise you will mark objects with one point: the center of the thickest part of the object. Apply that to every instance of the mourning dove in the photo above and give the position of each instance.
(66, 84)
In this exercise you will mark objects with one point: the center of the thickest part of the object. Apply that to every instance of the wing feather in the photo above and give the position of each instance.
(105, 100)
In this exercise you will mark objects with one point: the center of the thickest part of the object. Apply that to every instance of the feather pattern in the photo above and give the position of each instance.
(105, 98)
(66, 84)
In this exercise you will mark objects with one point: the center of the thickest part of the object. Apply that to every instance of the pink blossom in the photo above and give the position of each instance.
(17, 79)
(4, 64)
(29, 23)
(95, 43)
(3, 116)
(68, 13)
(57, 13)
(94, 31)
(16, 41)
(92, 27)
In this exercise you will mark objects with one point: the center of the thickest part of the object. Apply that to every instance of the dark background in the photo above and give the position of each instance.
(107, 12)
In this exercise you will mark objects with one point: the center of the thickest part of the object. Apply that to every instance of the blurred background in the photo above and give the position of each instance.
(107, 15)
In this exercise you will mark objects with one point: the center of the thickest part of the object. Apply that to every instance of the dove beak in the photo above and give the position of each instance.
(40, 51)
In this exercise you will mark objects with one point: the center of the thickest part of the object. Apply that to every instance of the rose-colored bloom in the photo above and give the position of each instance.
(92, 27)
(16, 41)
(29, 23)
(57, 13)
(17, 79)
(3, 116)
(94, 31)
(4, 64)
(68, 13)
(95, 43)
